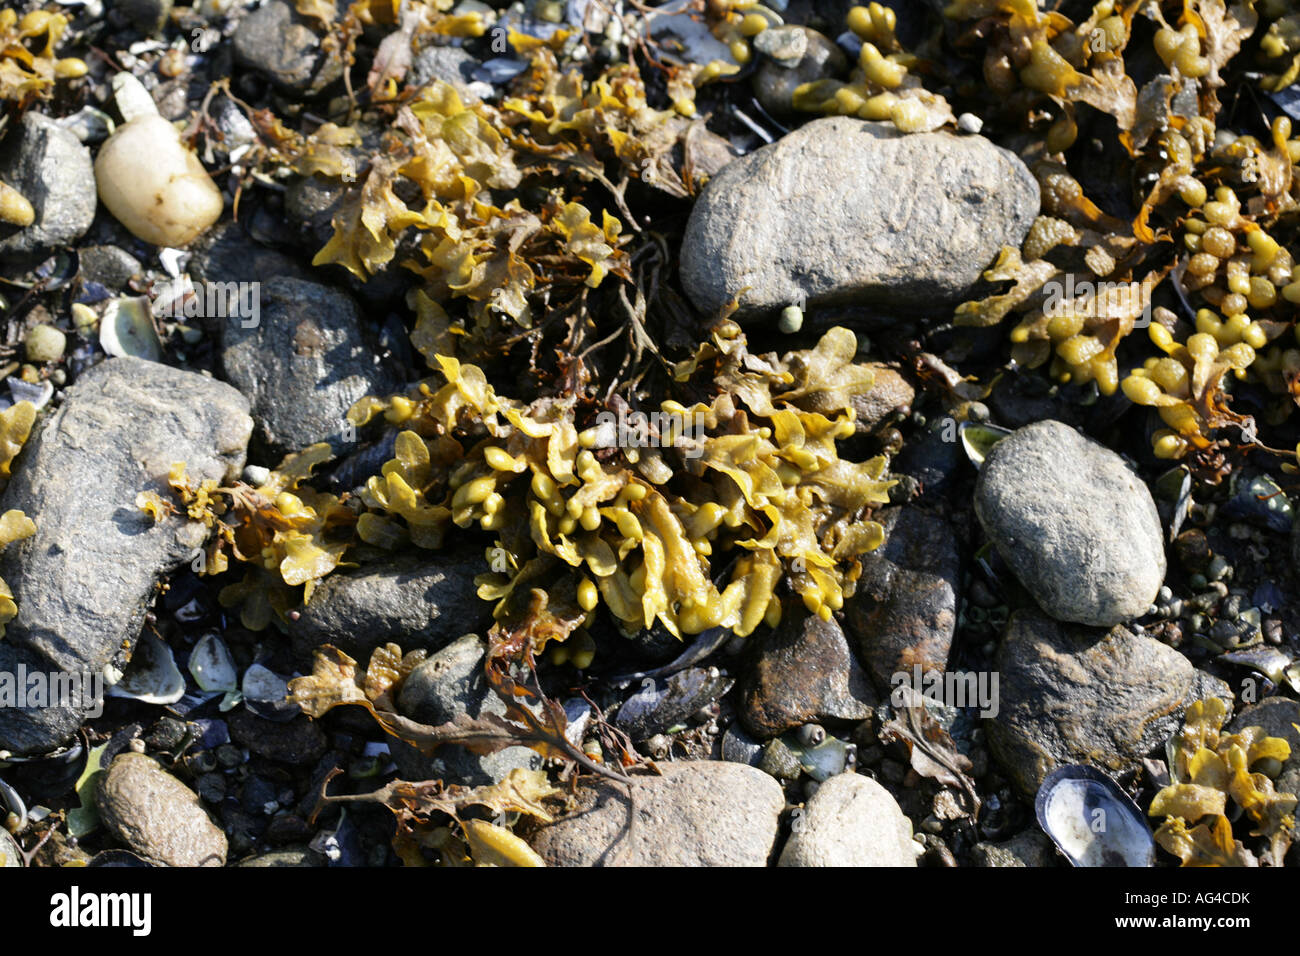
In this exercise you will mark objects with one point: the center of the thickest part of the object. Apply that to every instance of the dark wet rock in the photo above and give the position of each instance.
(933, 458)
(299, 742)
(1071, 694)
(147, 16)
(1077, 527)
(311, 201)
(156, 816)
(416, 601)
(448, 685)
(32, 730)
(905, 222)
(889, 393)
(775, 81)
(84, 581)
(850, 821)
(302, 363)
(280, 43)
(904, 612)
(110, 266)
(226, 253)
(701, 813)
(803, 672)
(667, 702)
(53, 171)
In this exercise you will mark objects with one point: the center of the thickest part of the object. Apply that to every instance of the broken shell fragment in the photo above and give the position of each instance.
(978, 438)
(150, 181)
(152, 676)
(1091, 820)
(127, 329)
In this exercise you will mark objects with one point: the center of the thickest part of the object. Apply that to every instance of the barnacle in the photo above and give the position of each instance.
(635, 512)
(1209, 767)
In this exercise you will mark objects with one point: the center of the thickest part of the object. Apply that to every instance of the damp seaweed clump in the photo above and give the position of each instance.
(1208, 769)
(747, 482)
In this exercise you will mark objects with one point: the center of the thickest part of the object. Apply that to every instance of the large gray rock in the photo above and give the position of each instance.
(415, 601)
(451, 684)
(1078, 528)
(53, 171)
(302, 364)
(842, 209)
(701, 813)
(904, 612)
(803, 671)
(850, 821)
(84, 581)
(156, 816)
(279, 42)
(1070, 694)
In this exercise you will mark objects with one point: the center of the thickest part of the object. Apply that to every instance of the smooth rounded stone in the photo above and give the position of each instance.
(415, 601)
(1077, 527)
(303, 362)
(1279, 717)
(888, 394)
(934, 458)
(44, 343)
(299, 742)
(311, 201)
(1071, 694)
(798, 56)
(156, 816)
(803, 672)
(699, 813)
(84, 581)
(110, 266)
(850, 821)
(1028, 849)
(53, 171)
(278, 42)
(846, 210)
(289, 856)
(448, 685)
(904, 612)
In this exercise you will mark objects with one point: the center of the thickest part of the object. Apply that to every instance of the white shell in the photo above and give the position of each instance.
(211, 665)
(1092, 821)
(127, 329)
(152, 676)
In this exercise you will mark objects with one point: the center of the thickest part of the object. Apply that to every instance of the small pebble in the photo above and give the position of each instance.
(45, 343)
